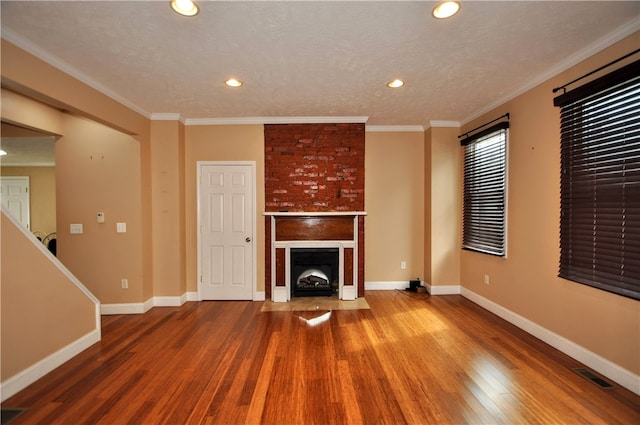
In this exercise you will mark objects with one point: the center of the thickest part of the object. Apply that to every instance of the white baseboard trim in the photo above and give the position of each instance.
(623, 377)
(23, 379)
(386, 285)
(404, 284)
(163, 301)
(443, 289)
(176, 301)
(123, 308)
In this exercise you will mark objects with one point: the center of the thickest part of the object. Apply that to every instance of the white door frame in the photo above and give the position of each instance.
(199, 166)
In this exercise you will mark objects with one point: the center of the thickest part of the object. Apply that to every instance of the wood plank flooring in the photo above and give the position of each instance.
(440, 360)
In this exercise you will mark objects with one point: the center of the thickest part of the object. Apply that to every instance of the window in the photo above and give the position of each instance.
(485, 184)
(600, 183)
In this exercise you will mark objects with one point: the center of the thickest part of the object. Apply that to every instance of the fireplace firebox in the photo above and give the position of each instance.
(314, 272)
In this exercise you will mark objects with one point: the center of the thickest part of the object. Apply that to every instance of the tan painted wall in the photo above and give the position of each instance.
(526, 281)
(42, 183)
(427, 206)
(98, 170)
(30, 304)
(222, 143)
(168, 208)
(445, 213)
(30, 76)
(394, 202)
(17, 109)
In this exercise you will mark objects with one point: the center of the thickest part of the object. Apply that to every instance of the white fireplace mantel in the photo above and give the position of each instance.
(282, 293)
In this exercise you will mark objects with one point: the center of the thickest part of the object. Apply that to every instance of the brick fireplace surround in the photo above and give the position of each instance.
(314, 173)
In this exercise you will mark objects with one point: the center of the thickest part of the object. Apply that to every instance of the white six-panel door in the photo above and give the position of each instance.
(226, 226)
(14, 194)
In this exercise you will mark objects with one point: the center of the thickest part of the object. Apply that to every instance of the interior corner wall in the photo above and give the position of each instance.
(526, 282)
(167, 174)
(394, 187)
(443, 171)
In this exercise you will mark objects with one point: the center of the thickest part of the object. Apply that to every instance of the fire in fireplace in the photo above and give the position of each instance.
(314, 272)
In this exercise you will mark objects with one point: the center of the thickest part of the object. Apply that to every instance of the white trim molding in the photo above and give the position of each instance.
(162, 301)
(170, 301)
(125, 308)
(165, 116)
(193, 296)
(141, 308)
(404, 284)
(444, 124)
(443, 289)
(275, 120)
(622, 376)
(23, 379)
(385, 285)
(394, 128)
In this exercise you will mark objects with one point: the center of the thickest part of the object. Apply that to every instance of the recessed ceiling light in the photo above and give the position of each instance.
(2, 153)
(232, 82)
(395, 84)
(185, 7)
(446, 9)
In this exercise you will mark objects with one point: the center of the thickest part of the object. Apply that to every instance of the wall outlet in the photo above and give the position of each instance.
(124, 283)
(486, 279)
(403, 265)
(75, 229)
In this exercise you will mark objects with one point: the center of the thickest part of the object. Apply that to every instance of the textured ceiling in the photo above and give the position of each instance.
(315, 59)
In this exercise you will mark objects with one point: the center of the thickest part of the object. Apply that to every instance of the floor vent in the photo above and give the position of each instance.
(586, 373)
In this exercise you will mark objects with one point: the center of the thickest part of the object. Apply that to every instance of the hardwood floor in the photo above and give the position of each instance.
(442, 360)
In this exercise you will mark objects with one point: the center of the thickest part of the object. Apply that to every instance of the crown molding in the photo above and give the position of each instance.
(168, 116)
(65, 67)
(394, 128)
(608, 40)
(275, 120)
(444, 124)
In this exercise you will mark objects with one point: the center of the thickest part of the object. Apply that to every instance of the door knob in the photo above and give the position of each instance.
(248, 239)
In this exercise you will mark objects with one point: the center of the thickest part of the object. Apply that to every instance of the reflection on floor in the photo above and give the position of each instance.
(316, 303)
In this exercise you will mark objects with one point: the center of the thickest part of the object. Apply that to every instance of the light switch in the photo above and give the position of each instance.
(121, 227)
(75, 229)
(100, 217)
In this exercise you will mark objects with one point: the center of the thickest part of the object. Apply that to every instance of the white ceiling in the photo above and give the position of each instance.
(315, 59)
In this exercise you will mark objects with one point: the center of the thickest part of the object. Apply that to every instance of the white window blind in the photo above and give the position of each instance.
(485, 183)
